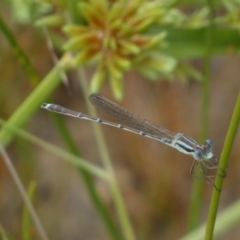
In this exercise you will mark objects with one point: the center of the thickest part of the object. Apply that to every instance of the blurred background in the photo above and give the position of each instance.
(153, 178)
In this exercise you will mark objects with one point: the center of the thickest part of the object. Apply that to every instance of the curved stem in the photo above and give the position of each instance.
(222, 166)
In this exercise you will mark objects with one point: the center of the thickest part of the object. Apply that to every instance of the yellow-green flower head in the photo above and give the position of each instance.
(113, 39)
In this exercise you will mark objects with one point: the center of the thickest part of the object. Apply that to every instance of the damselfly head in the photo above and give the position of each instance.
(204, 152)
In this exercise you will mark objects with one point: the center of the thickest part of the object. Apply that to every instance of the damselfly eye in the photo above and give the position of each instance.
(210, 143)
(198, 155)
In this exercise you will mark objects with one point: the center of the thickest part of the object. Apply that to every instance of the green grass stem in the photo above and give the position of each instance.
(222, 167)
(34, 100)
(124, 220)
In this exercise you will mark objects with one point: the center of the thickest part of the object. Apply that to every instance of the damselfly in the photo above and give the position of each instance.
(202, 154)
